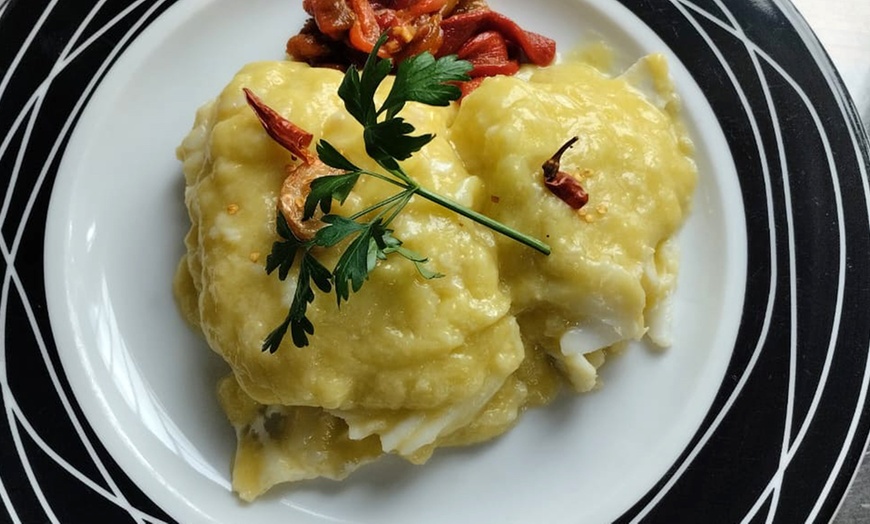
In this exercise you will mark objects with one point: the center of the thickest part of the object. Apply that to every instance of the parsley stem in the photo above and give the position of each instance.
(406, 197)
(400, 174)
(382, 203)
(505, 230)
(385, 178)
(414, 188)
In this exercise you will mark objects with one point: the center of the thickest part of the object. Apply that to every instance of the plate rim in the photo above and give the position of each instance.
(834, 83)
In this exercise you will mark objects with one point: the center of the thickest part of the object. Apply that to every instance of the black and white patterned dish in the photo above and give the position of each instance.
(758, 412)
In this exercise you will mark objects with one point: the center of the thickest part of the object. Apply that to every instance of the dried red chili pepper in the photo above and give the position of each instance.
(290, 136)
(561, 184)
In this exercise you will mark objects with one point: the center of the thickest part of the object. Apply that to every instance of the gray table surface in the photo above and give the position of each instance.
(843, 26)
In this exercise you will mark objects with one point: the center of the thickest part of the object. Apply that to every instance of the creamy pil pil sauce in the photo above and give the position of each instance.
(407, 364)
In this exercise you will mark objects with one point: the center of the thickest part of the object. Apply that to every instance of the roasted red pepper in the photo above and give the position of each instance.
(493, 43)
(334, 18)
(488, 53)
(561, 184)
(365, 31)
(459, 29)
(411, 9)
(290, 136)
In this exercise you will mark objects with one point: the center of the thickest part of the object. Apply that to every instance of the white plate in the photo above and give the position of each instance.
(145, 382)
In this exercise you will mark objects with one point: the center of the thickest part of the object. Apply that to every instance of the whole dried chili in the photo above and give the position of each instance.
(297, 184)
(561, 184)
(290, 136)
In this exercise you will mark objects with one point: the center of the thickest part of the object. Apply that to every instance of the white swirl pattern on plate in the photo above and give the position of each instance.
(790, 445)
(134, 16)
(788, 448)
(16, 418)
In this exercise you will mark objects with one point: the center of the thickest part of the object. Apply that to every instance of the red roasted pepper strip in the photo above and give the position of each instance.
(333, 17)
(488, 46)
(508, 68)
(488, 53)
(422, 7)
(458, 29)
(290, 136)
(469, 86)
(365, 31)
(561, 184)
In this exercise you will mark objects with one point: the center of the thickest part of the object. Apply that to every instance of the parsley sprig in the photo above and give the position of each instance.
(388, 139)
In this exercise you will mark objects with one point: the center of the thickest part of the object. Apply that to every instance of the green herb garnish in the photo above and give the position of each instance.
(388, 139)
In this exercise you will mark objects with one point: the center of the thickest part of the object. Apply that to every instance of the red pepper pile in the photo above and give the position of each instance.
(343, 32)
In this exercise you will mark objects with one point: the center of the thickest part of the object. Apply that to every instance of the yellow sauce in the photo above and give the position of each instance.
(407, 364)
